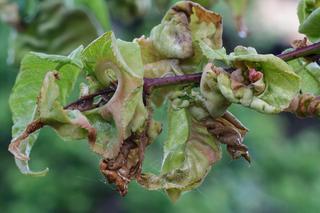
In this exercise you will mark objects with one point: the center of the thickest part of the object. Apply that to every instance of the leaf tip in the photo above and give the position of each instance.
(174, 194)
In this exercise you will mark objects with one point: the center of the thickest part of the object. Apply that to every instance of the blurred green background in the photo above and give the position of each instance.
(284, 175)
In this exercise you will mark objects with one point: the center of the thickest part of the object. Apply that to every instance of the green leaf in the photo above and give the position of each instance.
(173, 44)
(125, 112)
(262, 82)
(156, 65)
(69, 124)
(23, 99)
(279, 80)
(189, 152)
(215, 102)
(309, 74)
(214, 54)
(309, 18)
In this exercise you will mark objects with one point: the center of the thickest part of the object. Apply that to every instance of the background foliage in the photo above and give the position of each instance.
(284, 175)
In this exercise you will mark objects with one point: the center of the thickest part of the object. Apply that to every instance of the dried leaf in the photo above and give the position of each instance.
(230, 131)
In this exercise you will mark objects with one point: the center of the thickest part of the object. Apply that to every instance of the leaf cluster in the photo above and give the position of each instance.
(115, 109)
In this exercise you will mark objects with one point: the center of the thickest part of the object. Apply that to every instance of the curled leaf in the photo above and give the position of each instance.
(230, 131)
(189, 152)
(69, 124)
(23, 102)
(172, 38)
(124, 113)
(305, 105)
(173, 44)
(262, 82)
(215, 102)
(125, 166)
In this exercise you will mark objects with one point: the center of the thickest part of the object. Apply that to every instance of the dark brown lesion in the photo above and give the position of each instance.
(14, 146)
(127, 165)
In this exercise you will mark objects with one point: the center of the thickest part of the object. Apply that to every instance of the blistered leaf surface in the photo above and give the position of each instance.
(262, 82)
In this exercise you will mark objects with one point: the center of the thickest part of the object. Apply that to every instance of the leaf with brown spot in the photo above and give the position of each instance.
(69, 124)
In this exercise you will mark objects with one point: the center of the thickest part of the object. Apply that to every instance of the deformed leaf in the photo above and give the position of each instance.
(173, 44)
(215, 102)
(305, 105)
(262, 82)
(214, 54)
(189, 152)
(69, 124)
(230, 131)
(156, 65)
(23, 99)
(172, 38)
(125, 112)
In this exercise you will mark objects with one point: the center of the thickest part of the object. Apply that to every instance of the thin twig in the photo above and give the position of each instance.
(312, 49)
(196, 77)
(86, 102)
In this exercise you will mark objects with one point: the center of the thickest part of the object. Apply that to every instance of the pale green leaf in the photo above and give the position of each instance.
(274, 90)
(107, 60)
(309, 74)
(173, 46)
(189, 152)
(281, 83)
(214, 54)
(215, 102)
(23, 98)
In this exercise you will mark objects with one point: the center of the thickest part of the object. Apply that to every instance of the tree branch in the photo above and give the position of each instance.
(312, 52)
